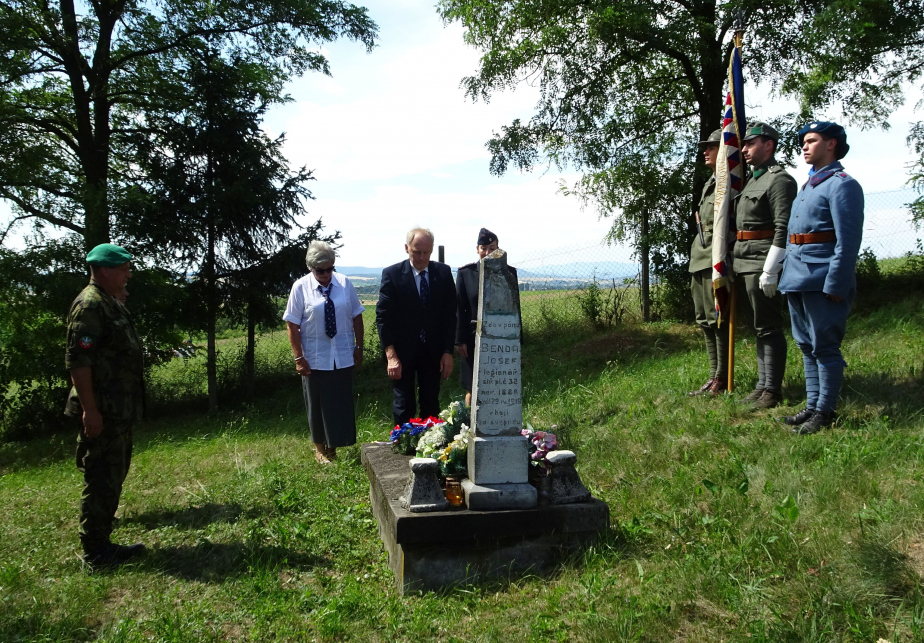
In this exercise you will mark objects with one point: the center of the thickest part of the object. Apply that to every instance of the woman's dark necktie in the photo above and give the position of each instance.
(330, 320)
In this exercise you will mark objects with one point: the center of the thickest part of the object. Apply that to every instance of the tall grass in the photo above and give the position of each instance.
(724, 526)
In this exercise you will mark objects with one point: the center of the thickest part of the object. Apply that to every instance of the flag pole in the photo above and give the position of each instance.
(732, 297)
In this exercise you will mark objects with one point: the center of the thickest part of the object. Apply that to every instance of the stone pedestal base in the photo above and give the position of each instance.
(499, 496)
(494, 460)
(429, 551)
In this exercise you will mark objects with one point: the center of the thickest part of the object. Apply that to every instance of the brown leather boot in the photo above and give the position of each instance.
(753, 396)
(717, 388)
(767, 400)
(702, 389)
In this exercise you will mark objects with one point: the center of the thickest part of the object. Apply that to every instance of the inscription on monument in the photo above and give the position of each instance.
(498, 402)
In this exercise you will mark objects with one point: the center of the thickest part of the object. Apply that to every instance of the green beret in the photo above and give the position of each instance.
(108, 255)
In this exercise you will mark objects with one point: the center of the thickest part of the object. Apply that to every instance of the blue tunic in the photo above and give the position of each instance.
(830, 201)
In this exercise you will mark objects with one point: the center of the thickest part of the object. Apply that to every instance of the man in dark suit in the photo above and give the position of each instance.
(416, 318)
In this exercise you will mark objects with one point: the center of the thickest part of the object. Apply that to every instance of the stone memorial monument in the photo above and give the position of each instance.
(503, 532)
(498, 457)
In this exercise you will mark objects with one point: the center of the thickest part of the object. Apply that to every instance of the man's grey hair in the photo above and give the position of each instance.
(319, 253)
(425, 231)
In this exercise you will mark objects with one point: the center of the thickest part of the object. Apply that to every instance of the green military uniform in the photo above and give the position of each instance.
(701, 289)
(763, 211)
(101, 336)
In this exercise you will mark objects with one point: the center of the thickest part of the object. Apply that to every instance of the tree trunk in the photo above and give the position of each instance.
(644, 251)
(211, 293)
(250, 355)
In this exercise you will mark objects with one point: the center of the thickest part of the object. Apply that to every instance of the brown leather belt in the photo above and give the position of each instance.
(812, 237)
(751, 235)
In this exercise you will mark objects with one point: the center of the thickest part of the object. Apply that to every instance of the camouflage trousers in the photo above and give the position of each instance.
(104, 462)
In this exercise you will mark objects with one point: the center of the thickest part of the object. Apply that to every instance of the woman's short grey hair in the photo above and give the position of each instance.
(424, 231)
(319, 253)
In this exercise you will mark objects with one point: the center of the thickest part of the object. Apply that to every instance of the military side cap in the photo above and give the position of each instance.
(486, 237)
(108, 255)
(755, 129)
(714, 139)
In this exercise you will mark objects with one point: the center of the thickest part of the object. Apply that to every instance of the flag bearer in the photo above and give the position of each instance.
(701, 278)
(761, 219)
(819, 274)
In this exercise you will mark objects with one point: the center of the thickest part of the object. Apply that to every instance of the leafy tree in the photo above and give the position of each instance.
(35, 295)
(215, 194)
(627, 89)
(866, 53)
(75, 76)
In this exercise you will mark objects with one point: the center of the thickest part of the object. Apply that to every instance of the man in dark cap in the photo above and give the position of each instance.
(701, 278)
(762, 215)
(467, 309)
(105, 360)
(819, 272)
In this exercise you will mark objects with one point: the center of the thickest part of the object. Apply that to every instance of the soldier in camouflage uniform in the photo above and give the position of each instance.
(105, 360)
(701, 279)
(762, 219)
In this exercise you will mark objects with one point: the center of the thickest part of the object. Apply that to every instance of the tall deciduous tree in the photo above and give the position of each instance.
(627, 89)
(75, 75)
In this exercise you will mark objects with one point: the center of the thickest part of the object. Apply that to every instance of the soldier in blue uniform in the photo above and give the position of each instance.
(819, 271)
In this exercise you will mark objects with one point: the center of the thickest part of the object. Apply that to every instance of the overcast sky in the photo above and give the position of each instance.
(394, 143)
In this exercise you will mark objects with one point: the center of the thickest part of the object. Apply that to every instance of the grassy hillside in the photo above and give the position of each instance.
(724, 526)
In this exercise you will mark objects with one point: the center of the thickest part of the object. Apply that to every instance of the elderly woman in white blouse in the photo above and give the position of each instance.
(325, 326)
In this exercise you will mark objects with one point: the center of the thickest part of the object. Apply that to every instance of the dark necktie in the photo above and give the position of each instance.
(330, 321)
(424, 296)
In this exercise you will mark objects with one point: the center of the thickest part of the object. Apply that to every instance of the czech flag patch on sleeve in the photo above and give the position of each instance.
(85, 342)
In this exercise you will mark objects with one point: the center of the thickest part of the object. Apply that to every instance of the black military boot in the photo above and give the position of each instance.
(816, 423)
(112, 555)
(798, 418)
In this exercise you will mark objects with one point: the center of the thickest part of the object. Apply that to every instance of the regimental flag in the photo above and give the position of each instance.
(729, 179)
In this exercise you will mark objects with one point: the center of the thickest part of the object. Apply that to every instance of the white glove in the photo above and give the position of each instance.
(768, 283)
(773, 265)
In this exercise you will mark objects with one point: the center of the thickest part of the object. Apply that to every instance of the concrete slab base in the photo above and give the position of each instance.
(499, 496)
(429, 551)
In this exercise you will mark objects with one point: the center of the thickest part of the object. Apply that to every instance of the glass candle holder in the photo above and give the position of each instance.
(454, 493)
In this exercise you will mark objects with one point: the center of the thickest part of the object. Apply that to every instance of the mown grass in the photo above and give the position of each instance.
(724, 527)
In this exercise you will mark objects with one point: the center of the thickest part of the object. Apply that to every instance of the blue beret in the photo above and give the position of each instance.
(108, 255)
(486, 237)
(830, 130)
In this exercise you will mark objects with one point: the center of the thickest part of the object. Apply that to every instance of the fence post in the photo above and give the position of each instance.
(442, 254)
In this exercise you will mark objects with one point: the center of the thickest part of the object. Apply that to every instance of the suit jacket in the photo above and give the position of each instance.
(830, 201)
(467, 287)
(400, 316)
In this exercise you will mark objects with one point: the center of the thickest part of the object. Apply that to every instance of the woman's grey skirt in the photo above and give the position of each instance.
(329, 402)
